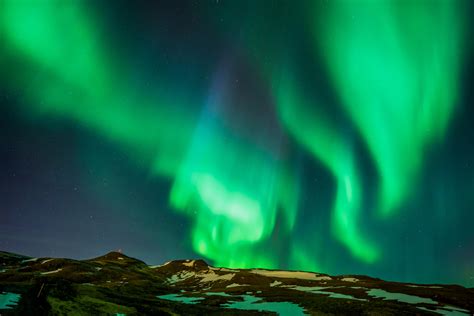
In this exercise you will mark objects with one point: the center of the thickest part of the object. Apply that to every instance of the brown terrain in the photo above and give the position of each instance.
(116, 284)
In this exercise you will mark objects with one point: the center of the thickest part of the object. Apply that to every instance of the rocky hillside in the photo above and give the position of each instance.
(116, 284)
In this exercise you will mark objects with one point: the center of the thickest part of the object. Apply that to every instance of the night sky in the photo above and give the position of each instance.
(322, 135)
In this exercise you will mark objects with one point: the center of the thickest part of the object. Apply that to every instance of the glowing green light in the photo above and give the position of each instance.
(315, 131)
(71, 75)
(235, 209)
(396, 68)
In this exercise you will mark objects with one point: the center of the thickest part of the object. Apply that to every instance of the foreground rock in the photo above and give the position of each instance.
(116, 284)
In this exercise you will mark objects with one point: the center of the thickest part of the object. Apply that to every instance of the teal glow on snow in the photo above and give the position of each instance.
(318, 290)
(405, 298)
(251, 302)
(9, 300)
(181, 298)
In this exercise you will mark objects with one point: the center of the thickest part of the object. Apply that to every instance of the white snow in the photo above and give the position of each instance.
(319, 290)
(211, 276)
(323, 277)
(306, 288)
(50, 272)
(180, 276)
(223, 269)
(425, 286)
(405, 298)
(120, 258)
(159, 265)
(446, 310)
(275, 283)
(208, 276)
(290, 274)
(236, 285)
(98, 268)
(188, 264)
(349, 279)
(29, 260)
(48, 260)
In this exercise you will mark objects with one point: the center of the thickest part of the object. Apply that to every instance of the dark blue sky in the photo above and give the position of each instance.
(96, 145)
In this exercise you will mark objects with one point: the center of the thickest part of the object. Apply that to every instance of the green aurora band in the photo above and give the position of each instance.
(395, 67)
(234, 210)
(314, 130)
(68, 65)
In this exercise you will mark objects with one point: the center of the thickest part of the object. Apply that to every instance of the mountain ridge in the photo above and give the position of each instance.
(118, 284)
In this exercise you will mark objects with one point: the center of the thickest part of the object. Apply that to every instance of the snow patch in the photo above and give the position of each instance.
(9, 300)
(120, 258)
(180, 276)
(425, 286)
(29, 260)
(290, 274)
(188, 264)
(236, 285)
(250, 302)
(275, 283)
(159, 265)
(405, 298)
(223, 269)
(218, 294)
(446, 310)
(323, 278)
(211, 276)
(48, 260)
(51, 272)
(181, 298)
(244, 302)
(349, 279)
(319, 290)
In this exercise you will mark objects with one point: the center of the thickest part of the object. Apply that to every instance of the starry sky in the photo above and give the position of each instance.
(321, 135)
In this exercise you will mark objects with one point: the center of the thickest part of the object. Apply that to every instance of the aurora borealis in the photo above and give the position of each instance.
(332, 136)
